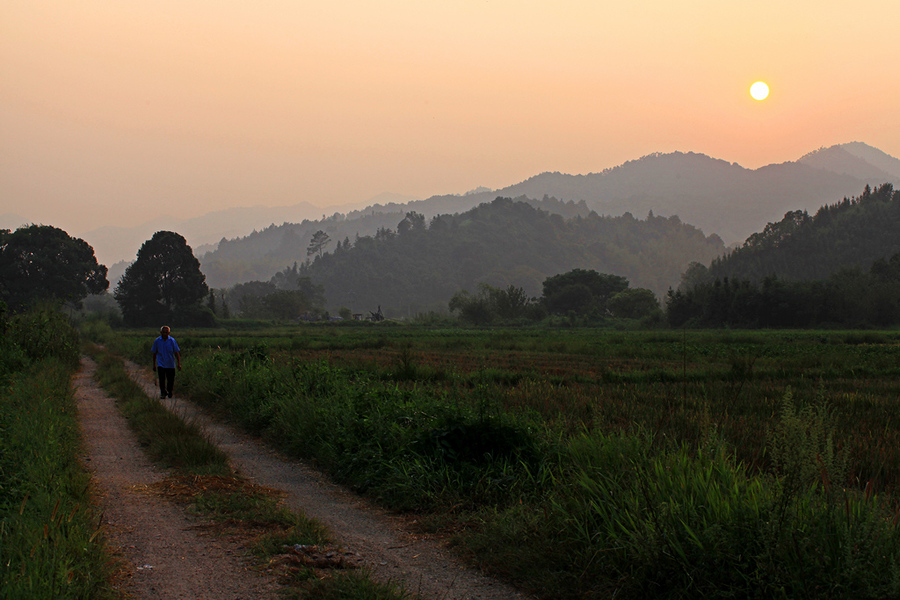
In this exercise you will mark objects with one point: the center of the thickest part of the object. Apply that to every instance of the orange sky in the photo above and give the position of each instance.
(115, 112)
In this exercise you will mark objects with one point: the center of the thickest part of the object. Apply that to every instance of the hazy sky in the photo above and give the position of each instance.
(114, 112)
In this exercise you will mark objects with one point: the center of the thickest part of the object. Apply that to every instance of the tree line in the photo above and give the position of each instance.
(839, 268)
(853, 233)
(581, 296)
(850, 298)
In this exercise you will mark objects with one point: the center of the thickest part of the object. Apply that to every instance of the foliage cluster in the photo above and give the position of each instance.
(285, 297)
(581, 294)
(40, 263)
(492, 305)
(164, 285)
(849, 298)
(50, 542)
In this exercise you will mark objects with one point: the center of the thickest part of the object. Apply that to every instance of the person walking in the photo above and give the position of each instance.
(166, 355)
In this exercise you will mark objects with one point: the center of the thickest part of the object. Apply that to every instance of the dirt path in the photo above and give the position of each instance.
(165, 557)
(383, 540)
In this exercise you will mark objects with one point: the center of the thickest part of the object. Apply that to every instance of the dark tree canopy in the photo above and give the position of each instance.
(491, 304)
(286, 296)
(41, 262)
(163, 284)
(851, 234)
(581, 290)
(634, 303)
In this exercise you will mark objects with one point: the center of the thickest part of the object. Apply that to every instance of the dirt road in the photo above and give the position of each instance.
(169, 558)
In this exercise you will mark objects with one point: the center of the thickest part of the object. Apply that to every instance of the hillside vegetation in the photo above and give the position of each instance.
(418, 267)
(851, 234)
(261, 254)
(839, 268)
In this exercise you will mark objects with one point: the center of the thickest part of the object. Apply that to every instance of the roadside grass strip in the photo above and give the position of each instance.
(299, 550)
(50, 541)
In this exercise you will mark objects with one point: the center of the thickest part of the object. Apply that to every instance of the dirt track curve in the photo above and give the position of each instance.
(168, 556)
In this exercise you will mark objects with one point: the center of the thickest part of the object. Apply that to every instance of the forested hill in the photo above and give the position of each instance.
(419, 267)
(851, 234)
(263, 253)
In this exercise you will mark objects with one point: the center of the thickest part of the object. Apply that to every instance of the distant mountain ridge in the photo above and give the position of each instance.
(113, 244)
(711, 194)
(715, 195)
(857, 160)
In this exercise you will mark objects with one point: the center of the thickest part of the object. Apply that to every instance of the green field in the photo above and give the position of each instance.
(585, 463)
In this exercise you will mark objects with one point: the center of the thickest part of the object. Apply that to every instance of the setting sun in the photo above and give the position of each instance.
(759, 90)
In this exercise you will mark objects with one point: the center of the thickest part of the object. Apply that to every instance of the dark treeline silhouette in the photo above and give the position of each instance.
(581, 296)
(852, 233)
(839, 268)
(850, 298)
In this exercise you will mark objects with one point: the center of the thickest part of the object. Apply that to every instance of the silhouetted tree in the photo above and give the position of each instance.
(317, 243)
(581, 290)
(40, 262)
(633, 303)
(412, 222)
(163, 284)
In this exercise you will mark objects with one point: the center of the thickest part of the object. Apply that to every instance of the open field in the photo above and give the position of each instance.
(580, 463)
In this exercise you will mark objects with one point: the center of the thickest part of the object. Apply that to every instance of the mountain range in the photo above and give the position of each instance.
(715, 195)
(712, 194)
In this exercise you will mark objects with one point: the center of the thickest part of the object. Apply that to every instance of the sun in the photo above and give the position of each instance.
(759, 90)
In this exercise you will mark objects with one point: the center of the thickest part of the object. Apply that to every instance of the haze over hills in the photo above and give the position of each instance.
(420, 266)
(113, 244)
(857, 160)
(714, 195)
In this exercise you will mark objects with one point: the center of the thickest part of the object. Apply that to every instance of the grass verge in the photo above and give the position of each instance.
(50, 541)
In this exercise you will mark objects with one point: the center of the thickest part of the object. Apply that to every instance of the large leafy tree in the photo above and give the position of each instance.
(581, 290)
(40, 262)
(163, 284)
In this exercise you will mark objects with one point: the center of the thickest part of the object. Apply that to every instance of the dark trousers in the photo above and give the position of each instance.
(166, 380)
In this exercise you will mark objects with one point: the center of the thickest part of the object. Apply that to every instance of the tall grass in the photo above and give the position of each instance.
(50, 541)
(622, 465)
(165, 437)
(411, 448)
(627, 519)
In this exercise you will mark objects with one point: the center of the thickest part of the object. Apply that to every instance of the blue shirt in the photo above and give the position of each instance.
(165, 350)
